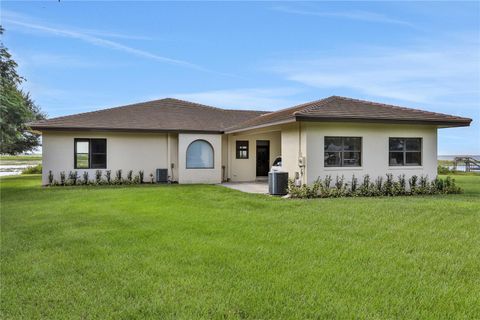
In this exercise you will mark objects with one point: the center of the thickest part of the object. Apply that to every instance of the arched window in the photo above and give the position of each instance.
(200, 155)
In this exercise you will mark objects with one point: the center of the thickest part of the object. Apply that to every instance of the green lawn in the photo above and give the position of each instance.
(16, 160)
(189, 252)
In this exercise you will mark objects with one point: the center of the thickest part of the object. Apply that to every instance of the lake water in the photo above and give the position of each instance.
(12, 170)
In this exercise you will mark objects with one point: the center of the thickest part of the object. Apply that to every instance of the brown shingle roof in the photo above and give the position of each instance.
(158, 115)
(178, 115)
(337, 108)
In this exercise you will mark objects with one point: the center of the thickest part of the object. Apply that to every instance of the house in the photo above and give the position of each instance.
(201, 144)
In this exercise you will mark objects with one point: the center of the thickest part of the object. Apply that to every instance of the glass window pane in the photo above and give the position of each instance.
(199, 155)
(82, 147)
(99, 161)
(99, 146)
(333, 144)
(351, 159)
(396, 159)
(333, 159)
(413, 158)
(352, 144)
(414, 144)
(82, 160)
(397, 144)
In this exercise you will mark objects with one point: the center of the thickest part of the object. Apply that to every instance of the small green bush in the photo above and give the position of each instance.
(443, 170)
(33, 170)
(98, 176)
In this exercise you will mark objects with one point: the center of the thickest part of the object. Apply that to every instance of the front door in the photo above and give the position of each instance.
(263, 157)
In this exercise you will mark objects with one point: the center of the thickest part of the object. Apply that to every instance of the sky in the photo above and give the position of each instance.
(85, 56)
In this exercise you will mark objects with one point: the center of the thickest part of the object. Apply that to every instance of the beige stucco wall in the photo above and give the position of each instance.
(126, 151)
(293, 139)
(199, 175)
(245, 169)
(173, 156)
(375, 144)
(224, 157)
(149, 151)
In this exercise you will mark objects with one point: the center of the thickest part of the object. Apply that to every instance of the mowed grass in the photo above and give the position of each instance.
(189, 252)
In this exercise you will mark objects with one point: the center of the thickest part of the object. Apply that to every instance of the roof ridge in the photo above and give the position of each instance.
(314, 105)
(190, 102)
(130, 105)
(391, 106)
(248, 110)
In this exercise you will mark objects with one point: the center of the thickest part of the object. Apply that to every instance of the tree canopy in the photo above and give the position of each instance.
(16, 108)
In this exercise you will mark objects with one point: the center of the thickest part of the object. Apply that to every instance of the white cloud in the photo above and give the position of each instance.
(24, 23)
(246, 98)
(417, 74)
(359, 15)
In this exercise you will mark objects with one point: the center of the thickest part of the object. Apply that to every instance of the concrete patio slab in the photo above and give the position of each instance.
(249, 187)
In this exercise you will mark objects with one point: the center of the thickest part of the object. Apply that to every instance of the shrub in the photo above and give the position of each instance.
(378, 186)
(50, 177)
(98, 176)
(443, 170)
(353, 186)
(412, 183)
(423, 185)
(62, 178)
(136, 179)
(72, 177)
(366, 188)
(324, 186)
(450, 187)
(85, 177)
(118, 176)
(401, 186)
(108, 176)
(303, 191)
(389, 187)
(33, 170)
(340, 187)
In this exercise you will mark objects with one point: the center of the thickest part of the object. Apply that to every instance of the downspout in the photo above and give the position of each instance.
(168, 158)
(227, 172)
(300, 155)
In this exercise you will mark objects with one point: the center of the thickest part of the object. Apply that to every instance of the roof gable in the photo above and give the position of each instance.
(337, 108)
(158, 115)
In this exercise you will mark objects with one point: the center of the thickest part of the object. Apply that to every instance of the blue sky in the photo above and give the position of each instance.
(83, 56)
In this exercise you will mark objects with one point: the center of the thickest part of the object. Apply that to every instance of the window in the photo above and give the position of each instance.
(242, 149)
(343, 152)
(200, 155)
(90, 153)
(405, 152)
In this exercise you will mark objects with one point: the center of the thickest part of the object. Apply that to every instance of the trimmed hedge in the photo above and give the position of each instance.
(74, 179)
(377, 188)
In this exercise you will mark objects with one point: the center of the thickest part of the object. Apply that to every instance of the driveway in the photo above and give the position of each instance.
(249, 187)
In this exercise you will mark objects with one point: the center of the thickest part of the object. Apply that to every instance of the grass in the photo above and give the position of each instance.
(189, 252)
(18, 160)
(21, 158)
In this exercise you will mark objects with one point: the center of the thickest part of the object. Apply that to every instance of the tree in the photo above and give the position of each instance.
(16, 108)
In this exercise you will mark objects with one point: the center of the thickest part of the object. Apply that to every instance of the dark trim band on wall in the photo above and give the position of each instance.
(372, 120)
(39, 128)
